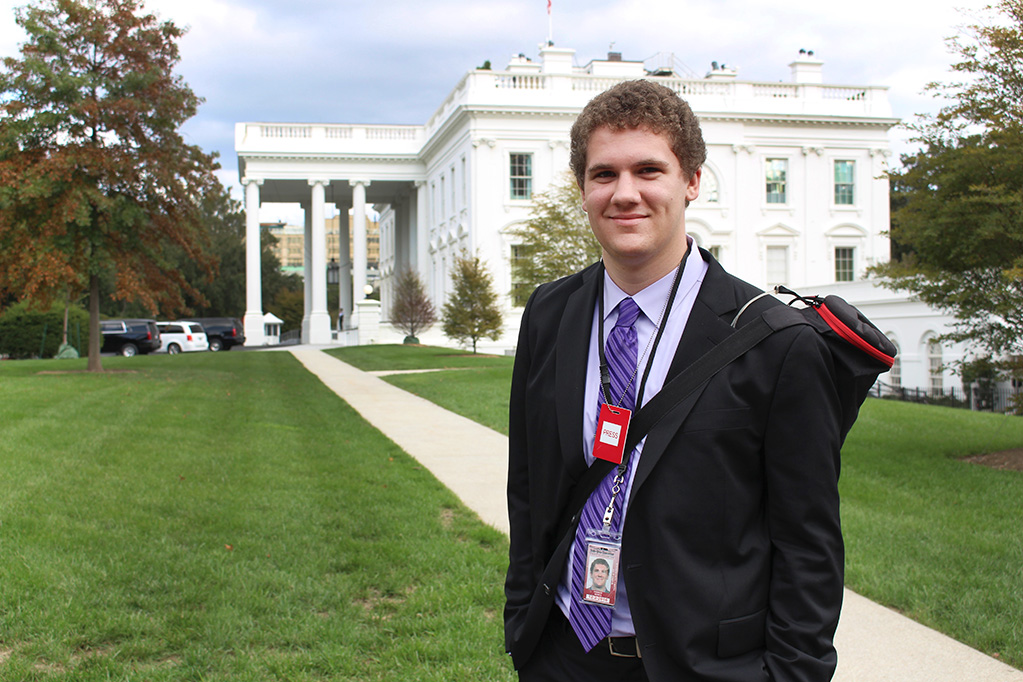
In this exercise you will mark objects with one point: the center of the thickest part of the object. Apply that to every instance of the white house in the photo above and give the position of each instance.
(794, 189)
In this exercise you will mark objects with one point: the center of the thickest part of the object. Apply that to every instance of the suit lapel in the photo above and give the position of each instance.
(707, 326)
(570, 375)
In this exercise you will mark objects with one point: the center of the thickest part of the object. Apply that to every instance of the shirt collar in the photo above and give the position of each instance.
(651, 299)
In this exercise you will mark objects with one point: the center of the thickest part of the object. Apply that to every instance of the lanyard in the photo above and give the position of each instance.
(605, 376)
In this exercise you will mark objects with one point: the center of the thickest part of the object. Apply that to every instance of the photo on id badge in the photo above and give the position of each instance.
(601, 586)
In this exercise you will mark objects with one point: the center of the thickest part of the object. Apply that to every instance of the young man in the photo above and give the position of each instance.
(724, 520)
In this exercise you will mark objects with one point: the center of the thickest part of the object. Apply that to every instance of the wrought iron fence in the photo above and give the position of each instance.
(1003, 399)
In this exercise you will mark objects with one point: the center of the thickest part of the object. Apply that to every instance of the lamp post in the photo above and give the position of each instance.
(333, 277)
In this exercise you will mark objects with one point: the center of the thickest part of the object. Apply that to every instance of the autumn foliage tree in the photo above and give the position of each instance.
(95, 178)
(412, 310)
(957, 218)
(472, 311)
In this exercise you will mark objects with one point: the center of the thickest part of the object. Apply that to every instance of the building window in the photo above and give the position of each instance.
(845, 182)
(777, 265)
(776, 176)
(521, 174)
(844, 263)
(934, 366)
(443, 196)
(520, 290)
(895, 373)
(465, 184)
(715, 251)
(709, 187)
(454, 203)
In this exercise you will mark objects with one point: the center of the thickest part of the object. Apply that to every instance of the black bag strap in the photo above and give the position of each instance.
(698, 373)
(830, 312)
(674, 392)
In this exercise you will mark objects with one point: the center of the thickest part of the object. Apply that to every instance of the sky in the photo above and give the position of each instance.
(395, 61)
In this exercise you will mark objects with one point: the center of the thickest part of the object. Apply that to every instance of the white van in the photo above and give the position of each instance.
(182, 337)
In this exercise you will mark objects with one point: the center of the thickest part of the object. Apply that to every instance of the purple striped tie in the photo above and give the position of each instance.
(593, 623)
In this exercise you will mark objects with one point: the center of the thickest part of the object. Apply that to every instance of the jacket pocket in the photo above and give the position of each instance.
(738, 636)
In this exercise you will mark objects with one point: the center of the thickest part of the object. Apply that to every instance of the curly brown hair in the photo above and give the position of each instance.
(635, 104)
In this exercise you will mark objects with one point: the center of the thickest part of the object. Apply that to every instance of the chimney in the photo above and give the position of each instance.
(558, 60)
(807, 68)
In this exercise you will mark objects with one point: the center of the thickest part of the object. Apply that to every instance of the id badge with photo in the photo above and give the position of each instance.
(603, 549)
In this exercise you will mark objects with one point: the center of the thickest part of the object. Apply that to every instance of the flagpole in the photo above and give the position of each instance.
(550, 25)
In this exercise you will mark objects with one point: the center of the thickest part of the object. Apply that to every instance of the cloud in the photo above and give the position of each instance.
(394, 61)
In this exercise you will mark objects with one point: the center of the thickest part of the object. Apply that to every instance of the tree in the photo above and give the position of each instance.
(95, 178)
(471, 312)
(555, 242)
(957, 218)
(412, 311)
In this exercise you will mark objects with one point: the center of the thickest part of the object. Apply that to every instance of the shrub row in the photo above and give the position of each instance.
(27, 332)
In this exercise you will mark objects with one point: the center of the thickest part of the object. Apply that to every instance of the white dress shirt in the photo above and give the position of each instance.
(651, 302)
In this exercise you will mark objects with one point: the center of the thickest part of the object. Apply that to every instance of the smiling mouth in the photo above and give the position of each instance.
(627, 218)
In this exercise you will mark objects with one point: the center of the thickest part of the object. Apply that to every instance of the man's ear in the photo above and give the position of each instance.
(693, 187)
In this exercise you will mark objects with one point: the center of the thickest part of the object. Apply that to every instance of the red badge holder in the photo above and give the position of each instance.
(612, 431)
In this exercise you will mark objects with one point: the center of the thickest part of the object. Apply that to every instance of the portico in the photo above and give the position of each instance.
(351, 167)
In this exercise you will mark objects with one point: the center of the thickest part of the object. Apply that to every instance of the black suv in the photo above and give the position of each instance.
(222, 332)
(129, 337)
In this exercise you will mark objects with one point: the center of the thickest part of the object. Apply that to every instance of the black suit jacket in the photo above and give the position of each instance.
(732, 546)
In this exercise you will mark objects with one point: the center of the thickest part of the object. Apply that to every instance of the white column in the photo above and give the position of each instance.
(307, 266)
(344, 280)
(422, 233)
(359, 240)
(254, 332)
(319, 318)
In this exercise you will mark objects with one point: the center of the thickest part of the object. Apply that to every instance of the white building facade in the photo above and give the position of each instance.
(793, 192)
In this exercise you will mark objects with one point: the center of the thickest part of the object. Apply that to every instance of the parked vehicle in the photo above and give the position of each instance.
(129, 337)
(182, 337)
(223, 333)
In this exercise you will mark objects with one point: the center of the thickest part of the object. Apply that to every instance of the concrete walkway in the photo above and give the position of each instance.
(875, 644)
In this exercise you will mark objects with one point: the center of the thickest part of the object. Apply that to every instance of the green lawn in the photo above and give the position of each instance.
(225, 517)
(403, 357)
(939, 539)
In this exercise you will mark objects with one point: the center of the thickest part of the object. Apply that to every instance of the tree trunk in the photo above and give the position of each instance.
(95, 339)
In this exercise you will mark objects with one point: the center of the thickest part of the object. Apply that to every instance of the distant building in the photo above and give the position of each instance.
(290, 247)
(794, 189)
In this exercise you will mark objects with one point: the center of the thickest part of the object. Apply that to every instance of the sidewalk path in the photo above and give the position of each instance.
(875, 644)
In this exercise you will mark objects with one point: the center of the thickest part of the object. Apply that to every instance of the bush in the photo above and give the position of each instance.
(22, 330)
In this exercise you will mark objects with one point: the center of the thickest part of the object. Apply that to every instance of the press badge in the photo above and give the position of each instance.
(600, 588)
(612, 429)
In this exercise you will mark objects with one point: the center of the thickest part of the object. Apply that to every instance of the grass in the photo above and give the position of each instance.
(930, 535)
(934, 537)
(399, 357)
(225, 517)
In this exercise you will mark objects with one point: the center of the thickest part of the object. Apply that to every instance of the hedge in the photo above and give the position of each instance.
(22, 330)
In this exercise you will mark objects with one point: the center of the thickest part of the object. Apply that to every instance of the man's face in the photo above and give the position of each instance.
(599, 575)
(634, 192)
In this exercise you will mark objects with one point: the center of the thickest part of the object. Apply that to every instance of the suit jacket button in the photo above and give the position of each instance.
(546, 589)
